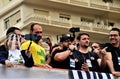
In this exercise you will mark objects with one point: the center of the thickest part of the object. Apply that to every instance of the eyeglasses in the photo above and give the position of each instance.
(38, 32)
(115, 35)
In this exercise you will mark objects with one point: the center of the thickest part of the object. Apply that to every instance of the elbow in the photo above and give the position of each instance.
(58, 58)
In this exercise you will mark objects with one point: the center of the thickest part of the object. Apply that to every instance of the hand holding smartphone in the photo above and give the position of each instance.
(47, 40)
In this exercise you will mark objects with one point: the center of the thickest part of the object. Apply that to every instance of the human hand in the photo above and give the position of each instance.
(27, 52)
(56, 48)
(71, 47)
(116, 73)
(85, 67)
(103, 51)
(44, 66)
(9, 64)
(96, 51)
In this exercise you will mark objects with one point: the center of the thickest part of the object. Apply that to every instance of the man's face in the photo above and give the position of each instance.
(18, 32)
(95, 46)
(66, 43)
(114, 37)
(37, 29)
(84, 41)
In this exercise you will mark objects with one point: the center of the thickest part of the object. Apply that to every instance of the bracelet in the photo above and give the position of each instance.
(69, 49)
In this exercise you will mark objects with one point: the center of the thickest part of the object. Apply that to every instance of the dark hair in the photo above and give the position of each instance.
(80, 34)
(31, 27)
(11, 29)
(116, 29)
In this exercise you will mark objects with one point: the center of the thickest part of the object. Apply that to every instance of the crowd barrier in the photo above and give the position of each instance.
(77, 74)
(21, 72)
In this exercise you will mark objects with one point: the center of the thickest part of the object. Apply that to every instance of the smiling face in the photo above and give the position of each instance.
(114, 37)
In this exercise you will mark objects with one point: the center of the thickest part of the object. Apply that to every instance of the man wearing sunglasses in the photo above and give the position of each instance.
(114, 49)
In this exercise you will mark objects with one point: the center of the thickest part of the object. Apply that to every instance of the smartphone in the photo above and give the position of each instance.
(45, 39)
(32, 37)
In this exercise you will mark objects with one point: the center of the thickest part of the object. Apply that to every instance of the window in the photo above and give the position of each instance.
(41, 12)
(88, 20)
(64, 17)
(12, 20)
(111, 24)
(110, 1)
(7, 23)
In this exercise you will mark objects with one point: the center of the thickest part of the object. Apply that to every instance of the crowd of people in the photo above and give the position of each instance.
(69, 53)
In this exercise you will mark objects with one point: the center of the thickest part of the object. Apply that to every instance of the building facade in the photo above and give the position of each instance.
(95, 17)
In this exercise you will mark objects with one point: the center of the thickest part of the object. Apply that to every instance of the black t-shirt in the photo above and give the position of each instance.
(63, 64)
(81, 58)
(115, 51)
(76, 55)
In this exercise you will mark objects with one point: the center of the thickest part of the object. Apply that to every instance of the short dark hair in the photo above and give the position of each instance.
(11, 29)
(80, 34)
(31, 27)
(116, 29)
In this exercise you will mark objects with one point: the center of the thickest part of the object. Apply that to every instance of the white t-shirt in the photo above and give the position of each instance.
(15, 56)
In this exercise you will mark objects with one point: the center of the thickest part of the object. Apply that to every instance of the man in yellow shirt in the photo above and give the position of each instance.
(38, 52)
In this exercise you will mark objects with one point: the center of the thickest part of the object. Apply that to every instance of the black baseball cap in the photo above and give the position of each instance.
(66, 37)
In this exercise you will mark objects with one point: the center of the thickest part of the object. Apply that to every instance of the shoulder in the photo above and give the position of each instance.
(2, 48)
(4, 52)
(93, 54)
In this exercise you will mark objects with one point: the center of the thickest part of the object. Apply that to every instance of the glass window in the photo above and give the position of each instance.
(12, 20)
(88, 20)
(41, 12)
(65, 17)
(7, 23)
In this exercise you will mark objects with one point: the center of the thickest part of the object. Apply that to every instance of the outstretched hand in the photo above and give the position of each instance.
(117, 74)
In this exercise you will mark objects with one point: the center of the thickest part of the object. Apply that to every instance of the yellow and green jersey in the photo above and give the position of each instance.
(38, 52)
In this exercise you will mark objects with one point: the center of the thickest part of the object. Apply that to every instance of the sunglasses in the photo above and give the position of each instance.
(38, 32)
(115, 35)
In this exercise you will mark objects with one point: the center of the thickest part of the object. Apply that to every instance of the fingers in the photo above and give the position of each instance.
(44, 66)
(47, 66)
(8, 63)
(85, 67)
(117, 74)
(28, 53)
(103, 51)
(72, 47)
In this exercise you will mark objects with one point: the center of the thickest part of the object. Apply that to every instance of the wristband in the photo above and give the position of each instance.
(69, 49)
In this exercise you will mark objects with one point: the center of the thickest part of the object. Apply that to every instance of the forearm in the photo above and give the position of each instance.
(62, 56)
(110, 65)
(29, 62)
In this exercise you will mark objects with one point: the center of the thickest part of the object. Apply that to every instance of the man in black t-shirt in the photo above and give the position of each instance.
(60, 57)
(85, 60)
(114, 48)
